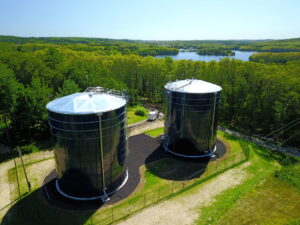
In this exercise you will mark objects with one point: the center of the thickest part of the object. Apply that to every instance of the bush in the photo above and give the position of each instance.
(140, 112)
(26, 149)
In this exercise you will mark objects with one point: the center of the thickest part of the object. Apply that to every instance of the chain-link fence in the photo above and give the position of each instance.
(140, 202)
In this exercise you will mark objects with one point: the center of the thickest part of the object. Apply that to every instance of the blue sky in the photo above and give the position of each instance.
(152, 19)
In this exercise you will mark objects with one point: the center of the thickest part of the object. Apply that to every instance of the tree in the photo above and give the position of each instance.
(53, 57)
(69, 87)
(9, 88)
(30, 115)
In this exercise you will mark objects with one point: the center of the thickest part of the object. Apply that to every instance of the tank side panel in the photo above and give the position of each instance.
(192, 118)
(77, 151)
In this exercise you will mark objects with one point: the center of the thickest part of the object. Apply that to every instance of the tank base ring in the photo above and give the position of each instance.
(90, 198)
(211, 154)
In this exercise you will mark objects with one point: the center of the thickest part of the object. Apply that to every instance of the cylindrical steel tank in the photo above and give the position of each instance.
(191, 117)
(89, 129)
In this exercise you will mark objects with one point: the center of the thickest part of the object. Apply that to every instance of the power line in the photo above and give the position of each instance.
(283, 127)
(280, 132)
(290, 137)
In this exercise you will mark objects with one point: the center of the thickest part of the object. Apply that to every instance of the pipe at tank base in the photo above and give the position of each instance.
(103, 198)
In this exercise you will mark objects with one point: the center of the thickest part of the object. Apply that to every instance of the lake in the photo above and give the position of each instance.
(242, 55)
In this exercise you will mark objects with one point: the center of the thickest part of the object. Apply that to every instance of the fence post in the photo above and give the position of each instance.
(91, 220)
(172, 187)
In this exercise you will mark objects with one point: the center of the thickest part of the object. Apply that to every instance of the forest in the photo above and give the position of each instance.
(215, 51)
(284, 45)
(271, 57)
(105, 47)
(257, 97)
(171, 47)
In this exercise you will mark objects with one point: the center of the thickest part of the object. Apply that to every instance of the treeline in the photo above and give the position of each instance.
(127, 46)
(198, 44)
(270, 57)
(256, 98)
(62, 40)
(287, 45)
(104, 47)
(215, 51)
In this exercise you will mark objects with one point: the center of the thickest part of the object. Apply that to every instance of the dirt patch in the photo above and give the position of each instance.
(184, 209)
(4, 184)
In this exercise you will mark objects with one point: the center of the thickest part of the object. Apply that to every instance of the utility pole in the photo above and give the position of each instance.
(28, 183)
(17, 177)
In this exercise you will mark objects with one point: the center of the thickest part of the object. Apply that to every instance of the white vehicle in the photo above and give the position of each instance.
(153, 115)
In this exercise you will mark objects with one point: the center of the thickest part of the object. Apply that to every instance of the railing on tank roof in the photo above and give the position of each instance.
(174, 88)
(100, 90)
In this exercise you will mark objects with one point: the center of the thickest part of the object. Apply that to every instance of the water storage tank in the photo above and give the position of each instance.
(90, 143)
(191, 117)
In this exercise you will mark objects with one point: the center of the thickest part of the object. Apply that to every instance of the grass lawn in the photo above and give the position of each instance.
(155, 132)
(271, 202)
(232, 140)
(36, 170)
(132, 118)
(15, 175)
(261, 199)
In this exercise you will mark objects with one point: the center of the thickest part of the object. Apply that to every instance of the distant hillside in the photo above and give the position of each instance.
(284, 45)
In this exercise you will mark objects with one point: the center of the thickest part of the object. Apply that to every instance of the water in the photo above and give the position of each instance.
(242, 55)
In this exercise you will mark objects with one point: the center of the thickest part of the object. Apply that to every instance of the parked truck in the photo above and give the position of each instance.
(153, 115)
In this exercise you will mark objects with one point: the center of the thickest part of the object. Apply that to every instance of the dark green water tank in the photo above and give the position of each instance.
(191, 117)
(89, 129)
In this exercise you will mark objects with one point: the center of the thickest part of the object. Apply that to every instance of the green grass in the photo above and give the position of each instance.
(278, 200)
(17, 176)
(261, 199)
(232, 140)
(132, 118)
(155, 132)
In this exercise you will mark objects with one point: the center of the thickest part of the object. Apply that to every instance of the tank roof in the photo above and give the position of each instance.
(192, 86)
(86, 103)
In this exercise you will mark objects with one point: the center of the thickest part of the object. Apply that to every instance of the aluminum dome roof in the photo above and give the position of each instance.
(192, 86)
(86, 103)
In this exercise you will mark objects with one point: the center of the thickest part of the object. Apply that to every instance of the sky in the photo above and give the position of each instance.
(152, 19)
